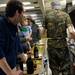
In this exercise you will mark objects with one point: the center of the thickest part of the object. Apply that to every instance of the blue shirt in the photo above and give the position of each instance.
(9, 42)
(25, 31)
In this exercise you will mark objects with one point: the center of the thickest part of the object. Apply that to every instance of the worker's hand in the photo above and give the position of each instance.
(72, 35)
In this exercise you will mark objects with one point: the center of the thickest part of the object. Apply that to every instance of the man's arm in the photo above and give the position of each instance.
(4, 66)
(3, 62)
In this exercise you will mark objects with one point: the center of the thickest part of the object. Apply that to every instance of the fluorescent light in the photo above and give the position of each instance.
(34, 18)
(39, 23)
(73, 2)
(29, 7)
(2, 5)
(26, 3)
(33, 14)
(63, 3)
(37, 20)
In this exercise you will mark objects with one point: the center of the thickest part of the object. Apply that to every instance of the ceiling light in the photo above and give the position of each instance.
(26, 3)
(37, 20)
(39, 23)
(29, 7)
(2, 5)
(33, 14)
(63, 3)
(73, 2)
(34, 18)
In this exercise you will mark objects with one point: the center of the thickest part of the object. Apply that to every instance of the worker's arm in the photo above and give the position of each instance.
(72, 32)
(70, 26)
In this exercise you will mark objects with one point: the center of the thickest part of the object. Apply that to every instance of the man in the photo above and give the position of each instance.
(9, 41)
(56, 22)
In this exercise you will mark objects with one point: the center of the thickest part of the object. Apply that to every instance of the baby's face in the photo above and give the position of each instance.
(26, 22)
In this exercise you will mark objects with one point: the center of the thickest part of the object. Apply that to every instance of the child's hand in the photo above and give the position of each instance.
(30, 39)
(29, 52)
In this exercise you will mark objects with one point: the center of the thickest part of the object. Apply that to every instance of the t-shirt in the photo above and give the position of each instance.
(56, 23)
(9, 42)
(26, 30)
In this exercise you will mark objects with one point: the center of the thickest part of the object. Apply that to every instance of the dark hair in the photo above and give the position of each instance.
(12, 6)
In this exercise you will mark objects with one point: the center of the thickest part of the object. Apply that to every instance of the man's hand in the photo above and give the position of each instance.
(19, 72)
